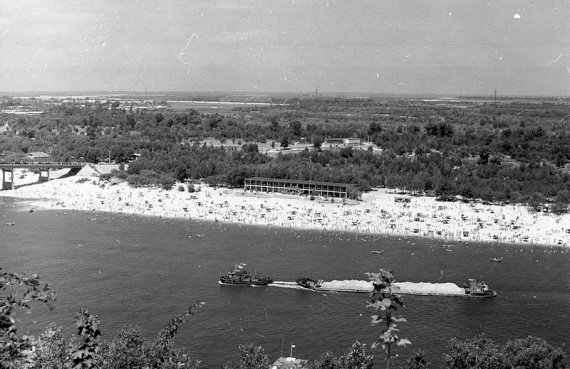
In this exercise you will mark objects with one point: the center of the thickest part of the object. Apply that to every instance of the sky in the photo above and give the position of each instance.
(455, 47)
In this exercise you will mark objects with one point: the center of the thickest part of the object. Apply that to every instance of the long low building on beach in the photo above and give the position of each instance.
(291, 186)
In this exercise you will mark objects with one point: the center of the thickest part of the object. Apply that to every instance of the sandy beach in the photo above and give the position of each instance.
(377, 213)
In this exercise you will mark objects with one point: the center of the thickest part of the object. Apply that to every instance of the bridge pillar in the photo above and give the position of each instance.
(7, 179)
(44, 175)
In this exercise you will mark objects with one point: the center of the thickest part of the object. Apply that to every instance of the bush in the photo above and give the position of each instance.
(166, 182)
(482, 352)
(181, 188)
(122, 174)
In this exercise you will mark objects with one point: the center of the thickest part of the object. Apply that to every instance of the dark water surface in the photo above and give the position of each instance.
(132, 270)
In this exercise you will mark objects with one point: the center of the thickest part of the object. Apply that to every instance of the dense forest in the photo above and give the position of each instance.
(512, 151)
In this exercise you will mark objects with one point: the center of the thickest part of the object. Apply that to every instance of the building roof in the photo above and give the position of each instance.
(38, 155)
(289, 363)
(298, 181)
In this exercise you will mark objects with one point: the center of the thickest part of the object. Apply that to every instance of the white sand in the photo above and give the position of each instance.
(377, 213)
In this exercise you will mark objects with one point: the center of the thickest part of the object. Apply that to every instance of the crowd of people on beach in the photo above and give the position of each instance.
(379, 212)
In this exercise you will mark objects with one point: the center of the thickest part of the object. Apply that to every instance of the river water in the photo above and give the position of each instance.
(131, 270)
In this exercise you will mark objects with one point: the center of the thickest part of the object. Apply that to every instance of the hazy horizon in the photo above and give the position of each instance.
(441, 47)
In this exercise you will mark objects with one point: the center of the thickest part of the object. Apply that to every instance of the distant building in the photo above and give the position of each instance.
(37, 155)
(290, 363)
(355, 143)
(290, 186)
(5, 128)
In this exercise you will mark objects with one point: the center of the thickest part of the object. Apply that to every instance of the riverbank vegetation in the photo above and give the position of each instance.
(513, 151)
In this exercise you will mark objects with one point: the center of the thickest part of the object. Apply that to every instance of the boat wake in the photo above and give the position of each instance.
(405, 288)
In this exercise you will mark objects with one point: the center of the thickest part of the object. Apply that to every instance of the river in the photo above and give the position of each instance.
(132, 270)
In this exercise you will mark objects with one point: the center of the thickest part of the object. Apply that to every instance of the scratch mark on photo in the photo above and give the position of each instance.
(555, 60)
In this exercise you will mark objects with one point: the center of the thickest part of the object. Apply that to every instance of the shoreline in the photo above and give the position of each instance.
(378, 214)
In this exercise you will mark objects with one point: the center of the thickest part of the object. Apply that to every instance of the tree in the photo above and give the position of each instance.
(346, 152)
(481, 352)
(563, 196)
(296, 128)
(50, 350)
(385, 300)
(536, 200)
(180, 173)
(285, 142)
(127, 350)
(354, 358)
(417, 361)
(18, 291)
(166, 182)
(533, 353)
(252, 357)
(86, 353)
(317, 142)
(484, 155)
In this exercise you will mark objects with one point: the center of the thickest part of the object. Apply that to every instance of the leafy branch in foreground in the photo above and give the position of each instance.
(162, 353)
(384, 299)
(18, 290)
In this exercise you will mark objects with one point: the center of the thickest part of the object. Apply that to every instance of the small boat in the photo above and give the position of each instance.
(240, 276)
(11, 223)
(309, 283)
(377, 251)
(200, 235)
(474, 288)
(497, 260)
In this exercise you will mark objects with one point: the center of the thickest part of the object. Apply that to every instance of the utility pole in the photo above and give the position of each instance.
(495, 96)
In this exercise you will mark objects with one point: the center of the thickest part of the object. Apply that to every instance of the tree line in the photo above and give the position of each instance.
(509, 153)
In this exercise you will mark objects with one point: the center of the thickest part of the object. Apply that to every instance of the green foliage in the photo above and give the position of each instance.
(50, 351)
(533, 353)
(105, 177)
(354, 358)
(18, 291)
(252, 357)
(383, 299)
(166, 182)
(325, 361)
(481, 352)
(417, 361)
(86, 351)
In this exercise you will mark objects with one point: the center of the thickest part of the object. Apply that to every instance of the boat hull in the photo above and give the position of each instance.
(482, 295)
(240, 277)
(258, 284)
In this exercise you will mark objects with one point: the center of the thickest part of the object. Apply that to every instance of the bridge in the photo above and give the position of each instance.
(8, 182)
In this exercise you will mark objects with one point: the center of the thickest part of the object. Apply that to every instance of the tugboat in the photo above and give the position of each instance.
(241, 277)
(474, 288)
(309, 283)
